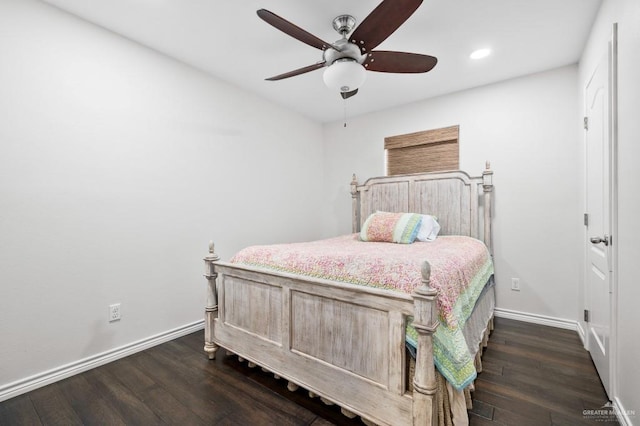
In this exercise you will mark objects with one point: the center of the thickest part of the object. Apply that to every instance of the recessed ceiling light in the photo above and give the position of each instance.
(480, 53)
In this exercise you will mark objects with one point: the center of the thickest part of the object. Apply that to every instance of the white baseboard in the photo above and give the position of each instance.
(42, 379)
(539, 319)
(582, 333)
(624, 416)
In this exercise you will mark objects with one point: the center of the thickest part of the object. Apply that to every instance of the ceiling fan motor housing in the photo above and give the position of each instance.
(347, 50)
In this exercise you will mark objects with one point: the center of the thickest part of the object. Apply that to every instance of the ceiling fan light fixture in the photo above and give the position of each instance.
(344, 75)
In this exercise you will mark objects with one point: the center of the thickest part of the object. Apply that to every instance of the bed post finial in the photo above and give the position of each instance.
(487, 178)
(355, 205)
(425, 321)
(426, 274)
(487, 187)
(211, 310)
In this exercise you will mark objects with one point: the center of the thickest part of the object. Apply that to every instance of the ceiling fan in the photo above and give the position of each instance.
(348, 59)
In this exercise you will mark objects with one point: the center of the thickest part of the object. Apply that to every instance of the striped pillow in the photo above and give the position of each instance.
(391, 227)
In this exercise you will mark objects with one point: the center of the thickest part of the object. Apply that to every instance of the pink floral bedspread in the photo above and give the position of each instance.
(457, 264)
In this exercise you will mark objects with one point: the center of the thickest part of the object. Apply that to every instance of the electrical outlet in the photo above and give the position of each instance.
(114, 312)
(515, 284)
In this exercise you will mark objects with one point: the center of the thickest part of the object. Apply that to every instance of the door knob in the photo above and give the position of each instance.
(598, 240)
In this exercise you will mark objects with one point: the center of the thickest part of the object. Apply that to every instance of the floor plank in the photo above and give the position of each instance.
(52, 407)
(19, 411)
(532, 375)
(127, 404)
(88, 405)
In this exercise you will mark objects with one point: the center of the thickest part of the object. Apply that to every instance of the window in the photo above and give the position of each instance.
(426, 151)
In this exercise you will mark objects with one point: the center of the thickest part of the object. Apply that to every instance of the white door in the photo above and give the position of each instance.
(599, 143)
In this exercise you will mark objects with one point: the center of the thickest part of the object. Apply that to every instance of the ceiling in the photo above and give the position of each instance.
(227, 40)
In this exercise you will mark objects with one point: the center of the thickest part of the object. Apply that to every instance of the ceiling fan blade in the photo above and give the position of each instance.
(382, 22)
(292, 30)
(347, 95)
(297, 72)
(399, 62)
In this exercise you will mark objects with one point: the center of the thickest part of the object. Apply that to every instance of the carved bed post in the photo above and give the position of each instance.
(355, 207)
(487, 187)
(425, 321)
(211, 310)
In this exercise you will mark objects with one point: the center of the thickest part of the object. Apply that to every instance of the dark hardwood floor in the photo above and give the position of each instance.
(537, 375)
(533, 375)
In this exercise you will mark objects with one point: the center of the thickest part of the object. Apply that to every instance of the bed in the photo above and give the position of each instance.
(303, 326)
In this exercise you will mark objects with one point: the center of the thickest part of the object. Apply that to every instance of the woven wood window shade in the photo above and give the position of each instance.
(427, 151)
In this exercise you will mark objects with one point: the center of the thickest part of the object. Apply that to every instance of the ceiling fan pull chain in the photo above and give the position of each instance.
(344, 101)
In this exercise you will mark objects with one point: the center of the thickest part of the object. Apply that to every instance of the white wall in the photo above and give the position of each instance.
(117, 165)
(529, 129)
(627, 14)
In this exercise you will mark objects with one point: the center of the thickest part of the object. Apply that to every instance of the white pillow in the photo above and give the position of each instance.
(429, 228)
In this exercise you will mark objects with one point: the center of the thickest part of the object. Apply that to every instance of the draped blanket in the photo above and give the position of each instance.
(460, 268)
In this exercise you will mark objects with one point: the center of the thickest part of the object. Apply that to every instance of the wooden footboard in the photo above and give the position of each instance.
(342, 342)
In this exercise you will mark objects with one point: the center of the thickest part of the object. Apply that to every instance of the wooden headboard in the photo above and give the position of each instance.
(455, 198)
